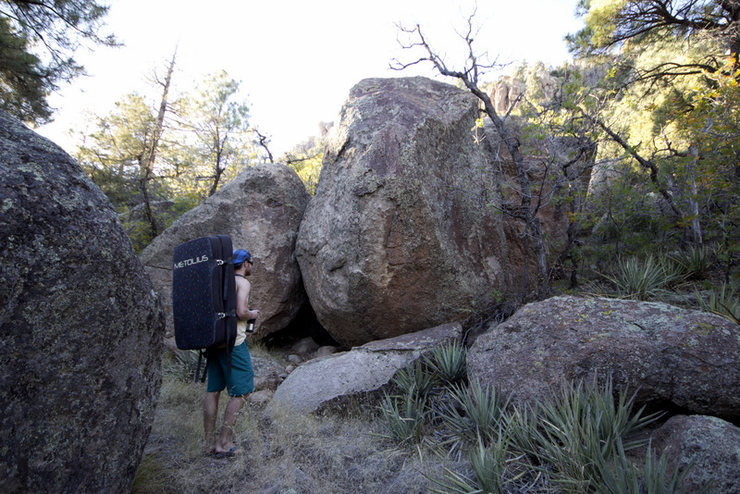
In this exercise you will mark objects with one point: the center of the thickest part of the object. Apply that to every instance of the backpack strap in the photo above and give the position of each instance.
(227, 259)
(202, 353)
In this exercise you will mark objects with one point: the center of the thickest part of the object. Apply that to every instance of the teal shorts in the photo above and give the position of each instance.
(241, 380)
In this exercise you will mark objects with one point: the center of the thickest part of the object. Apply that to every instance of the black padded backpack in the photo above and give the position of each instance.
(204, 297)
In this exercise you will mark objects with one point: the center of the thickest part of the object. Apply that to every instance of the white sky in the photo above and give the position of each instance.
(297, 59)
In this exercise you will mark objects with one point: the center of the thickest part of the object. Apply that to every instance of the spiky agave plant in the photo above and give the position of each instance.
(493, 469)
(414, 378)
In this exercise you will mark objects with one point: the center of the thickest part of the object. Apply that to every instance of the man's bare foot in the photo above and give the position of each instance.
(234, 450)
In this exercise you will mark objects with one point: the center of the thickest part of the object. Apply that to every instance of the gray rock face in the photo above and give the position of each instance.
(399, 234)
(361, 373)
(682, 357)
(81, 328)
(709, 445)
(261, 210)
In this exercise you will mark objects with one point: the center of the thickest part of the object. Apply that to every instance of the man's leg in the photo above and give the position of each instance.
(225, 441)
(210, 410)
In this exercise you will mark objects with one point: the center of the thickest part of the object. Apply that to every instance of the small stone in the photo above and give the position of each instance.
(260, 397)
(305, 346)
(325, 350)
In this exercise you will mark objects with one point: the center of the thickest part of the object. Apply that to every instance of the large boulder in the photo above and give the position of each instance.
(360, 374)
(671, 356)
(708, 446)
(80, 328)
(399, 234)
(261, 210)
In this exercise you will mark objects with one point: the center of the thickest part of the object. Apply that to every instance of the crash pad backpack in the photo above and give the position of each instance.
(204, 297)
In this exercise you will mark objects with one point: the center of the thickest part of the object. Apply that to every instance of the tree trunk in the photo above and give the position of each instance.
(533, 226)
(693, 203)
(147, 161)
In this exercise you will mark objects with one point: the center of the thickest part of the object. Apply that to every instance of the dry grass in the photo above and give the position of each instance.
(285, 452)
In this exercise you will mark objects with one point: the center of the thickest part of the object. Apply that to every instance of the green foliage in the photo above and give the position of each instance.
(37, 43)
(404, 418)
(573, 442)
(475, 412)
(641, 278)
(113, 153)
(147, 166)
(624, 24)
(22, 84)
(724, 302)
(215, 142)
(581, 430)
(307, 160)
(622, 477)
(693, 263)
(414, 379)
(449, 361)
(492, 466)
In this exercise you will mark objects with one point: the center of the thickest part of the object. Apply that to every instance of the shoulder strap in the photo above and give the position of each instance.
(240, 275)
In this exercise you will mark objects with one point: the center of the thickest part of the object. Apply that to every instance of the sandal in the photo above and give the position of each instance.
(235, 451)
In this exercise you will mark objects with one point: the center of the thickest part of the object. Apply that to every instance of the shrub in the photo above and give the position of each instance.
(404, 415)
(621, 477)
(492, 466)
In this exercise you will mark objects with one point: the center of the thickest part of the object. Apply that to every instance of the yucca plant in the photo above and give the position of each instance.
(414, 379)
(582, 426)
(493, 469)
(723, 302)
(182, 364)
(475, 411)
(522, 425)
(693, 263)
(449, 361)
(640, 279)
(404, 418)
(619, 476)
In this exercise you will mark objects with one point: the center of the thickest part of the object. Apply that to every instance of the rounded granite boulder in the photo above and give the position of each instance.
(80, 328)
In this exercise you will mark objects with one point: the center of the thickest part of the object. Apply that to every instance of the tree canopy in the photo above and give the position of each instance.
(38, 39)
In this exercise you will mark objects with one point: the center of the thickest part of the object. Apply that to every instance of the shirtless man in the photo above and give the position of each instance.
(241, 380)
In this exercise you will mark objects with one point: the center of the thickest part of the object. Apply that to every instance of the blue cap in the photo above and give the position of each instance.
(240, 256)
